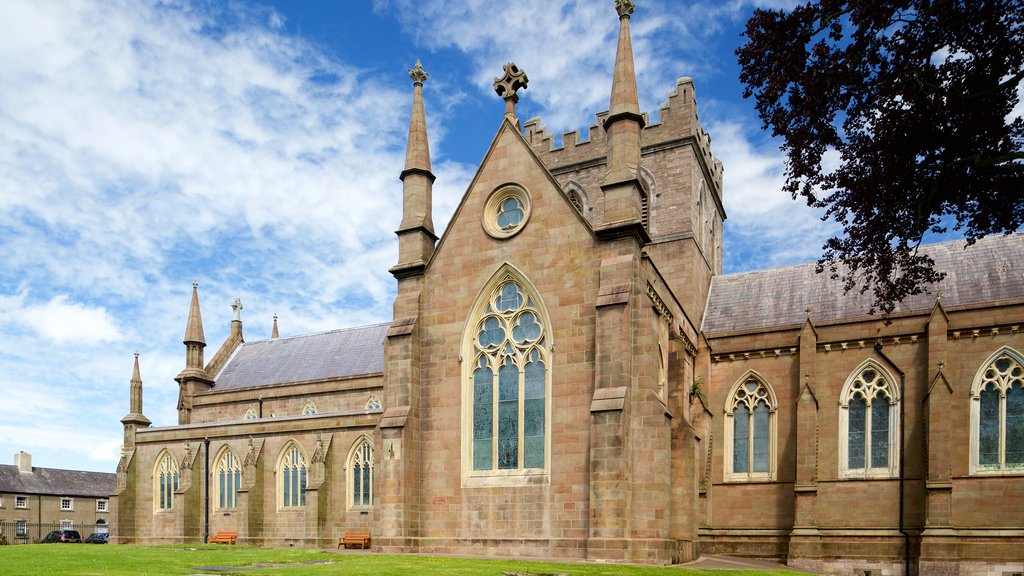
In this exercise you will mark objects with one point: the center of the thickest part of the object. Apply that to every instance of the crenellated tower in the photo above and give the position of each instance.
(194, 377)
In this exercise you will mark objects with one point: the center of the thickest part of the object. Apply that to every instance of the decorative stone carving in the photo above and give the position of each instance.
(506, 86)
(624, 7)
(418, 74)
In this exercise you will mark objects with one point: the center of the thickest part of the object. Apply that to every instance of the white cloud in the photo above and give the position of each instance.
(62, 321)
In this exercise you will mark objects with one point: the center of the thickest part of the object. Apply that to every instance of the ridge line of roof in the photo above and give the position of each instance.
(310, 334)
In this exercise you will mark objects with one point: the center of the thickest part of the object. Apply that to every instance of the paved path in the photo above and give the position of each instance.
(736, 563)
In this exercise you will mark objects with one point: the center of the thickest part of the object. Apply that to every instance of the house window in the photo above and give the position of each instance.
(21, 529)
(101, 505)
(228, 480)
(309, 409)
(21, 501)
(361, 475)
(868, 423)
(507, 381)
(102, 527)
(67, 525)
(292, 478)
(67, 504)
(997, 414)
(750, 429)
(165, 481)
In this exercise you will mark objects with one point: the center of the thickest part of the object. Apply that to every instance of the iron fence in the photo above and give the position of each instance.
(21, 532)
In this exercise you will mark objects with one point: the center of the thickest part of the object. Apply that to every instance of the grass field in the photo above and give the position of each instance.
(87, 560)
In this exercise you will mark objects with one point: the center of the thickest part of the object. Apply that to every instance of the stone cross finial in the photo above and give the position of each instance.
(507, 86)
(624, 7)
(236, 306)
(418, 74)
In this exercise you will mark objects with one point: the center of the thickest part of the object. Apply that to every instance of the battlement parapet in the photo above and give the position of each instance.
(677, 120)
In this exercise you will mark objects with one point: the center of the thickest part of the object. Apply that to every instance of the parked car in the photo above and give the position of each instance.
(96, 539)
(65, 536)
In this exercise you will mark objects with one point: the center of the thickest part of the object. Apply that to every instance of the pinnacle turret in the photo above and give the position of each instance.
(274, 335)
(194, 326)
(135, 418)
(416, 236)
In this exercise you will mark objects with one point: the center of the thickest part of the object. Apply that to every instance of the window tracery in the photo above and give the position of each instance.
(292, 475)
(165, 481)
(750, 429)
(868, 423)
(361, 474)
(997, 414)
(228, 474)
(508, 382)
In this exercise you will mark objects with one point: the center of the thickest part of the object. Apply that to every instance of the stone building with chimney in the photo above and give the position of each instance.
(569, 374)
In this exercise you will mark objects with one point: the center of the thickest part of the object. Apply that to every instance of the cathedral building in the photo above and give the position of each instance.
(568, 374)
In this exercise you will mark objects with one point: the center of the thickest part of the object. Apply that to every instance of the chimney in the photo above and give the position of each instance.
(23, 460)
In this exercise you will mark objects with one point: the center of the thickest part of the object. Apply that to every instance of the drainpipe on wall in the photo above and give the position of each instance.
(903, 434)
(261, 405)
(206, 482)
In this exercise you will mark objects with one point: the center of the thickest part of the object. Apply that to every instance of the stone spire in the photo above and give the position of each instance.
(508, 85)
(625, 194)
(135, 418)
(274, 335)
(416, 236)
(194, 326)
(194, 377)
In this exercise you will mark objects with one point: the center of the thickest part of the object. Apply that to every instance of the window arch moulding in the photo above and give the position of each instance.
(227, 478)
(506, 390)
(869, 423)
(166, 479)
(359, 476)
(750, 429)
(292, 476)
(997, 414)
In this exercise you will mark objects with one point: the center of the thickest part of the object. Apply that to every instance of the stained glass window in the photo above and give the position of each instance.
(509, 382)
(293, 478)
(751, 405)
(869, 412)
(166, 480)
(229, 480)
(362, 474)
(999, 416)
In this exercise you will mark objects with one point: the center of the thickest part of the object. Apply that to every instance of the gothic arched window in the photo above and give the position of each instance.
(165, 481)
(507, 381)
(227, 479)
(373, 403)
(750, 429)
(291, 474)
(868, 423)
(360, 465)
(997, 414)
(309, 409)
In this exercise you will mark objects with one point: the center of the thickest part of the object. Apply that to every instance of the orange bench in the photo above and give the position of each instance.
(360, 539)
(224, 537)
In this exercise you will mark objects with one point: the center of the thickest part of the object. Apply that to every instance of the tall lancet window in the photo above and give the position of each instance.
(997, 414)
(165, 481)
(361, 474)
(292, 477)
(868, 423)
(507, 382)
(227, 479)
(750, 429)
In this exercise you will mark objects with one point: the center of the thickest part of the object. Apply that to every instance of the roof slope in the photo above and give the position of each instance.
(56, 482)
(334, 354)
(990, 270)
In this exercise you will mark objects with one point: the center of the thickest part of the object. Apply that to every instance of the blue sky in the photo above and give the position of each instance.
(255, 147)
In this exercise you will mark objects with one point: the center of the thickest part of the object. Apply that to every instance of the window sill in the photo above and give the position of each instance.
(514, 478)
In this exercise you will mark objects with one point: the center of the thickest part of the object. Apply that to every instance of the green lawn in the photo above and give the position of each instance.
(85, 559)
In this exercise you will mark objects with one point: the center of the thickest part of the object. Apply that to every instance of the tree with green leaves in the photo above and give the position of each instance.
(916, 99)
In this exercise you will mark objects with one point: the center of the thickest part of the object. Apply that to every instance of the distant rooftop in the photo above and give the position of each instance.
(336, 354)
(56, 482)
(991, 270)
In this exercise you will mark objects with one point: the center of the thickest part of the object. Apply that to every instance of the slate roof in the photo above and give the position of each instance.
(990, 270)
(335, 354)
(55, 482)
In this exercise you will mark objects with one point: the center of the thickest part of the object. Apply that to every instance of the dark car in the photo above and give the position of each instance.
(62, 536)
(96, 539)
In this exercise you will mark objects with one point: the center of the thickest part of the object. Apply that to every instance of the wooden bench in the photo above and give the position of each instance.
(224, 537)
(360, 539)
